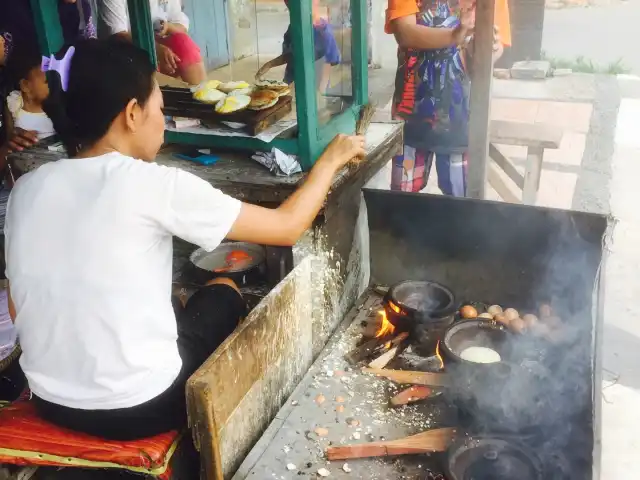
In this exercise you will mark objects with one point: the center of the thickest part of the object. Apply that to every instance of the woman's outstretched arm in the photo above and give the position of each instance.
(284, 225)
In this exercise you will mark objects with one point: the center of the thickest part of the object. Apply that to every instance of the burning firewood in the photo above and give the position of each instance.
(411, 395)
(437, 440)
(384, 359)
(383, 341)
(411, 377)
(366, 350)
(393, 348)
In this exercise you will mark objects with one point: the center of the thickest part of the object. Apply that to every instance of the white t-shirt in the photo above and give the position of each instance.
(113, 15)
(89, 261)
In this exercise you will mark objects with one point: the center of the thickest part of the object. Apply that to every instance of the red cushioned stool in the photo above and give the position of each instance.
(26, 439)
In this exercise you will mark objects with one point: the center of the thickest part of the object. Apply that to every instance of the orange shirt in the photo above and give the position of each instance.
(501, 19)
(403, 8)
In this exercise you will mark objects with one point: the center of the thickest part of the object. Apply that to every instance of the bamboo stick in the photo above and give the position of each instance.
(437, 440)
(411, 377)
(411, 395)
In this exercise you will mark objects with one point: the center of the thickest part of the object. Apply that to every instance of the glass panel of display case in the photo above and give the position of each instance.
(332, 42)
(237, 44)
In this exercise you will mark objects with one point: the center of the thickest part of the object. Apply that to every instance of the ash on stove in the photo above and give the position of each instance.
(434, 476)
(408, 360)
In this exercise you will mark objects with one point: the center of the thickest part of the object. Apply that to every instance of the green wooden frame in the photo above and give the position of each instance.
(312, 137)
(47, 22)
(142, 28)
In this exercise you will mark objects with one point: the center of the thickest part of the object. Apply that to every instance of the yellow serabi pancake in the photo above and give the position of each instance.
(207, 84)
(272, 85)
(261, 99)
(210, 95)
(228, 87)
(232, 104)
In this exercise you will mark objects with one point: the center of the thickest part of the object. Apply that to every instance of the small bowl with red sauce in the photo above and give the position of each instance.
(244, 263)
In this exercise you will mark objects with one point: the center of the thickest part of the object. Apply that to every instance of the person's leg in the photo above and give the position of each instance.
(191, 67)
(452, 173)
(410, 171)
(223, 281)
(209, 317)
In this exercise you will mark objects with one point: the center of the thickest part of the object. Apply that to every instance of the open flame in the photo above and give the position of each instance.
(395, 308)
(439, 356)
(386, 327)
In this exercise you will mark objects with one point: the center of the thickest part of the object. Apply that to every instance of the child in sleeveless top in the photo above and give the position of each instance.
(25, 73)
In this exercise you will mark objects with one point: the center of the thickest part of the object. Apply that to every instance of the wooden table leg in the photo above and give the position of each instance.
(532, 175)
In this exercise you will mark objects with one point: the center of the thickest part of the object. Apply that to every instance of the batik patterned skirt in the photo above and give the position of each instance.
(410, 171)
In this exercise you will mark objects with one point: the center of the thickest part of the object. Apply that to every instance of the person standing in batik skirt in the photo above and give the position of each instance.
(432, 89)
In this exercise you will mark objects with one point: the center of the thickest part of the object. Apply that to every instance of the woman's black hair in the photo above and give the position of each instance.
(105, 75)
(20, 63)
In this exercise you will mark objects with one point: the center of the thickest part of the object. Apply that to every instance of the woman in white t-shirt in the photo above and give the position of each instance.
(89, 251)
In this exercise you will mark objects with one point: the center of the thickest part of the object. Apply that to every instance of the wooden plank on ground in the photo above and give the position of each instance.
(235, 394)
(525, 134)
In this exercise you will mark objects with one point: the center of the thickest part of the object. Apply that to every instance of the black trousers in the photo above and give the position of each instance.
(209, 317)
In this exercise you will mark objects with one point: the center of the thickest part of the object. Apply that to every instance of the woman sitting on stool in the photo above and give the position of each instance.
(89, 251)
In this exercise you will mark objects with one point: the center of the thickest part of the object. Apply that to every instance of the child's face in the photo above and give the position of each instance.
(35, 86)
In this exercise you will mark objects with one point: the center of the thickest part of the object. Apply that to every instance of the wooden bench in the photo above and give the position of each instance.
(533, 136)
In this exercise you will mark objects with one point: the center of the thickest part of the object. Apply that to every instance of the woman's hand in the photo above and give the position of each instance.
(497, 41)
(167, 60)
(498, 48)
(262, 71)
(342, 149)
(466, 26)
(285, 224)
(21, 139)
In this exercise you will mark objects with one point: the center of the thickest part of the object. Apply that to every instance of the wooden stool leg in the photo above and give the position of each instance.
(532, 175)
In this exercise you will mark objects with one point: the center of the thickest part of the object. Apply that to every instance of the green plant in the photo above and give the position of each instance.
(581, 64)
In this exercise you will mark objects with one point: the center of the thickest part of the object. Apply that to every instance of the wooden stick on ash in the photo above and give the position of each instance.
(411, 395)
(365, 350)
(394, 348)
(437, 440)
(384, 359)
(372, 347)
(410, 377)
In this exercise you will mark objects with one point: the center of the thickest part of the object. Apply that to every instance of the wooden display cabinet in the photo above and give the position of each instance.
(314, 130)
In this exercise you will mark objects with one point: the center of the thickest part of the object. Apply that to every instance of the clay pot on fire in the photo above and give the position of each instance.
(491, 458)
(494, 393)
(424, 309)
